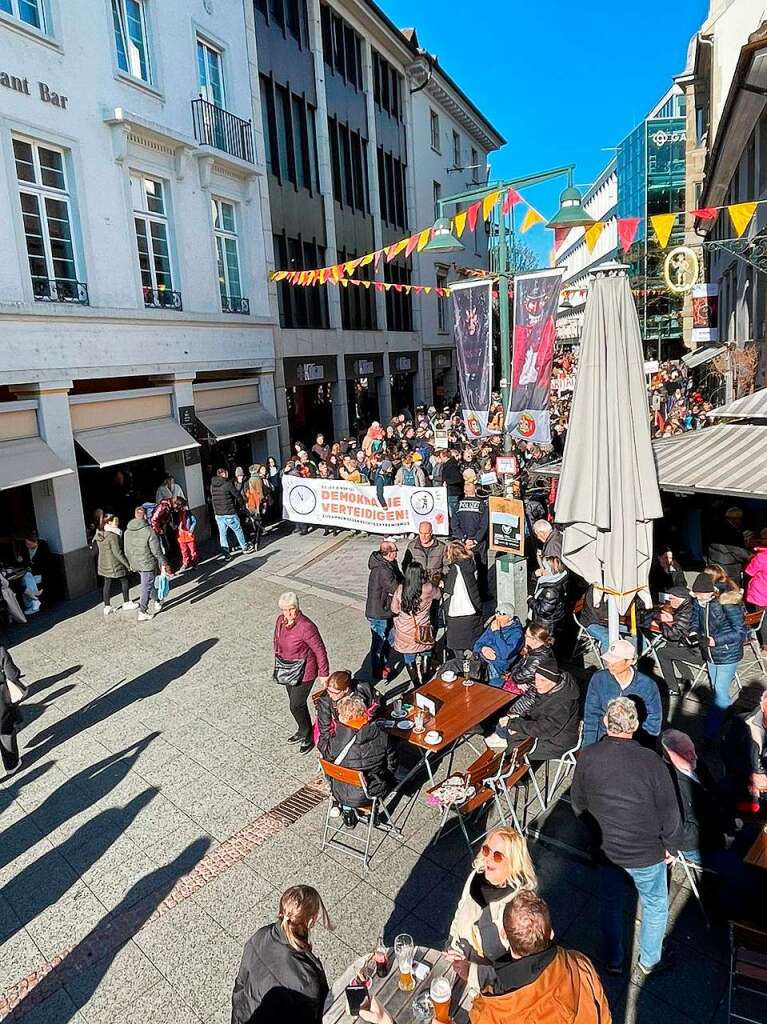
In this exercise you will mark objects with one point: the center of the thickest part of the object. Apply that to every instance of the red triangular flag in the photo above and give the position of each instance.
(418, 288)
(412, 242)
(379, 286)
(472, 214)
(398, 287)
(512, 198)
(705, 213)
(627, 229)
(560, 234)
(378, 255)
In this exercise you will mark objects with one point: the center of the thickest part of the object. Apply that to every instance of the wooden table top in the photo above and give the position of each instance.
(757, 855)
(463, 708)
(386, 990)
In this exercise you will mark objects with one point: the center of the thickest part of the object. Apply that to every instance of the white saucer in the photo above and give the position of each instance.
(449, 677)
(398, 714)
(433, 737)
(405, 725)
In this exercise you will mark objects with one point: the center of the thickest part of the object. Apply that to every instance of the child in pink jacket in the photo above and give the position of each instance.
(756, 589)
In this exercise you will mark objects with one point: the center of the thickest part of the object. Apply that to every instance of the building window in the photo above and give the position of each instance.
(358, 308)
(434, 123)
(341, 48)
(437, 189)
(387, 86)
(31, 12)
(442, 303)
(399, 304)
(288, 15)
(392, 189)
(227, 254)
(269, 121)
(129, 17)
(46, 211)
(456, 149)
(209, 73)
(348, 162)
(290, 135)
(150, 218)
(300, 307)
(474, 165)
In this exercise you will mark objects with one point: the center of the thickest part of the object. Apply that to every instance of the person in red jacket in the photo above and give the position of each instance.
(187, 542)
(296, 640)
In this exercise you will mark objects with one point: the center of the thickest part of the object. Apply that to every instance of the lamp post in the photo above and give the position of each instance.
(511, 570)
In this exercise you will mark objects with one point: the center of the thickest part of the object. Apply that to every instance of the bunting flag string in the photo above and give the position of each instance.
(592, 234)
(531, 218)
(740, 215)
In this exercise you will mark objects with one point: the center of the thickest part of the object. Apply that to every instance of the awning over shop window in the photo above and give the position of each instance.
(126, 442)
(729, 459)
(28, 460)
(236, 420)
(701, 355)
(749, 407)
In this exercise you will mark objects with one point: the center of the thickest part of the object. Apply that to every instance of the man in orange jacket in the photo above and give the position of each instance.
(537, 983)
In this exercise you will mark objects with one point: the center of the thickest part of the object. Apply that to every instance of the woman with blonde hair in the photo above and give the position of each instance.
(463, 614)
(280, 979)
(502, 869)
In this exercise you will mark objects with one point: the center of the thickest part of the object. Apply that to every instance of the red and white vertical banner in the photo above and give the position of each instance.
(472, 331)
(536, 297)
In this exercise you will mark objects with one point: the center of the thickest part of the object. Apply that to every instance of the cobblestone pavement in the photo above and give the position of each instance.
(159, 813)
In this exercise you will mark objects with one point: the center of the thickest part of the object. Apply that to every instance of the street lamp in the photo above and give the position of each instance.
(442, 238)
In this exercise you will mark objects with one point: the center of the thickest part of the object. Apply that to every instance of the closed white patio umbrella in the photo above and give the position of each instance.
(608, 491)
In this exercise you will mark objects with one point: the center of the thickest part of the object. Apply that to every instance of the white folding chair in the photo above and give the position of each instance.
(585, 643)
(565, 764)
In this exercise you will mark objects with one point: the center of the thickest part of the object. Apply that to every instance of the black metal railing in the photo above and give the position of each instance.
(162, 298)
(214, 126)
(235, 304)
(60, 289)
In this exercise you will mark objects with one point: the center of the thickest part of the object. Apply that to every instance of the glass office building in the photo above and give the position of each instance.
(651, 180)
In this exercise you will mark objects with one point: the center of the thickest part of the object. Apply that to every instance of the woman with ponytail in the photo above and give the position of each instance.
(281, 981)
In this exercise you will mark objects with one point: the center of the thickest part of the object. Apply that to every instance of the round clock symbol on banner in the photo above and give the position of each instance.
(422, 503)
(302, 500)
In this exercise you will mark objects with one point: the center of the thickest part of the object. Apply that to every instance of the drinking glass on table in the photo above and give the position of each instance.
(423, 1011)
(404, 950)
(440, 992)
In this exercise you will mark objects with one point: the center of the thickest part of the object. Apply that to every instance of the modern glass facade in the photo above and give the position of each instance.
(651, 180)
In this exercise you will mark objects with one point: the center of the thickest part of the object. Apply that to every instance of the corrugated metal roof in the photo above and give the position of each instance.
(727, 459)
(750, 407)
(702, 355)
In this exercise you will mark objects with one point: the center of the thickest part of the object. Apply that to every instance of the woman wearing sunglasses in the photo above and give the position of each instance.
(502, 869)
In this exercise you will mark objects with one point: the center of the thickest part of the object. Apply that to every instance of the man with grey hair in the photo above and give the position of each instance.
(550, 539)
(704, 820)
(625, 790)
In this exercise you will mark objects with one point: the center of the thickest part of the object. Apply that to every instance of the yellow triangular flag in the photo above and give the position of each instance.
(427, 289)
(365, 284)
(459, 223)
(399, 246)
(367, 259)
(592, 234)
(423, 238)
(349, 267)
(740, 215)
(531, 217)
(663, 225)
(488, 203)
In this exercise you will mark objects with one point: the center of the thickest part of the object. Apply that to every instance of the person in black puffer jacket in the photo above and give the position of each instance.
(384, 578)
(281, 981)
(339, 685)
(226, 500)
(538, 648)
(365, 747)
(547, 603)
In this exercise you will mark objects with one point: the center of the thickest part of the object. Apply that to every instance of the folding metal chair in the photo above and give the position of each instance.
(748, 968)
(374, 813)
(564, 764)
(585, 643)
(691, 871)
(753, 622)
(517, 770)
(479, 774)
(701, 672)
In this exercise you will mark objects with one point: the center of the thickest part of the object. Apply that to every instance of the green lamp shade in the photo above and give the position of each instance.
(570, 213)
(442, 238)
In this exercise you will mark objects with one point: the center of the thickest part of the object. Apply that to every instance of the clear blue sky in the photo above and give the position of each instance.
(562, 82)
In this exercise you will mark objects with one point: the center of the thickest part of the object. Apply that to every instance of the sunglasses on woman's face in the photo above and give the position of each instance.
(495, 854)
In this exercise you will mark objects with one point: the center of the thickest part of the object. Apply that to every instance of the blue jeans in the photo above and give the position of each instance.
(602, 635)
(652, 888)
(379, 631)
(494, 674)
(721, 677)
(232, 523)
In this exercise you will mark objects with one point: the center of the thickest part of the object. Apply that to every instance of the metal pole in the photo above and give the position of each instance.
(505, 331)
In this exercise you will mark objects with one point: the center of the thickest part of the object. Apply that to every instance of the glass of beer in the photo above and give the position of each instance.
(440, 992)
(404, 950)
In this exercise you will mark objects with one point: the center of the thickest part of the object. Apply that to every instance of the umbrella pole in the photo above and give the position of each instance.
(613, 618)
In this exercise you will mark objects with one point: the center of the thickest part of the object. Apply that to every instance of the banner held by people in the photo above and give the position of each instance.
(472, 316)
(536, 297)
(337, 503)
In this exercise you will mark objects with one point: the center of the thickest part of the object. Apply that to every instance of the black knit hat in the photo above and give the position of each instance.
(549, 669)
(703, 584)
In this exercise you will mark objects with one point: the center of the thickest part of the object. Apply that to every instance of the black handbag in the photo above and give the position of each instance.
(288, 673)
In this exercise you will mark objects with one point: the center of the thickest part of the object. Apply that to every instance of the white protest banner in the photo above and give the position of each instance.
(356, 507)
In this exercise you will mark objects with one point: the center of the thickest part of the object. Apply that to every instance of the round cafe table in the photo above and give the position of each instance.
(387, 992)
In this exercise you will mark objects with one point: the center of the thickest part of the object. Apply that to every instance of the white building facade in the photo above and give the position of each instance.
(136, 330)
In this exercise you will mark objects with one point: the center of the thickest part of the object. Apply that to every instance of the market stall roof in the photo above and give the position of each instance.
(126, 442)
(27, 461)
(749, 407)
(728, 459)
(236, 420)
(702, 355)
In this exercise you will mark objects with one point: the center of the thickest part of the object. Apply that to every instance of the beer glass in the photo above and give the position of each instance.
(440, 992)
(404, 950)
(418, 722)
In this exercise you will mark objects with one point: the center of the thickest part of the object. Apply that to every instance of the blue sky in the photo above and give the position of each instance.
(562, 82)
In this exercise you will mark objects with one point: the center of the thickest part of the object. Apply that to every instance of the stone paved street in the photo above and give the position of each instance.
(159, 813)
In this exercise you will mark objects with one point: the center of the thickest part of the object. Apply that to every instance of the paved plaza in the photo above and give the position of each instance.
(159, 813)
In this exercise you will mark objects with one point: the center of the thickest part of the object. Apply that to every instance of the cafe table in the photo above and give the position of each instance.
(386, 990)
(757, 854)
(461, 709)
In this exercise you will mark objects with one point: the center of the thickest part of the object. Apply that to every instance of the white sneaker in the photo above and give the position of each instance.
(129, 606)
(495, 742)
(145, 617)
(108, 609)
(157, 606)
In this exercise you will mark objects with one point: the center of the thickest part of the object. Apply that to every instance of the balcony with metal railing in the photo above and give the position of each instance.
(59, 289)
(235, 304)
(216, 127)
(162, 298)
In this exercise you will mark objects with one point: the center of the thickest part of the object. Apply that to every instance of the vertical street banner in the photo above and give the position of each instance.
(472, 313)
(705, 312)
(536, 297)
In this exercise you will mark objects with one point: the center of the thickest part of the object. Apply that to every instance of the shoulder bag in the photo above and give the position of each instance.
(288, 672)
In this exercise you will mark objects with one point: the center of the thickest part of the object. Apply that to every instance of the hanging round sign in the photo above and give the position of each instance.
(681, 269)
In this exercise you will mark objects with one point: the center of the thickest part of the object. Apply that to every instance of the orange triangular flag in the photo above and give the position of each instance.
(423, 238)
(592, 234)
(740, 215)
(531, 217)
(459, 223)
(663, 225)
(280, 275)
(324, 275)
(488, 203)
(335, 273)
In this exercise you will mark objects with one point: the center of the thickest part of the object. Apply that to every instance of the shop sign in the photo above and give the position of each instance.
(705, 312)
(44, 91)
(403, 364)
(661, 137)
(364, 368)
(190, 423)
(507, 519)
(507, 465)
(308, 372)
(681, 269)
(440, 437)
(443, 360)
